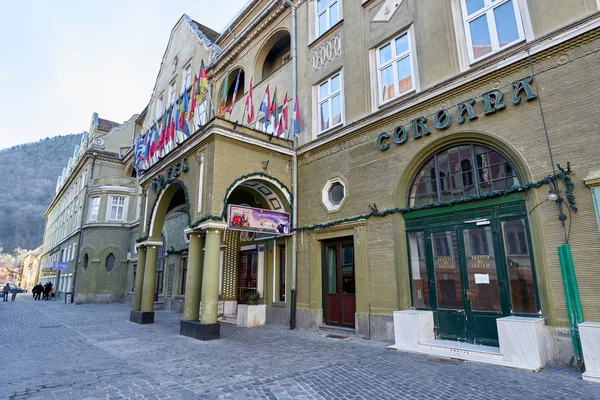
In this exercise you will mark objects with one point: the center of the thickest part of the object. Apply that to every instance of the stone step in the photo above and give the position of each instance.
(229, 319)
(337, 330)
(456, 349)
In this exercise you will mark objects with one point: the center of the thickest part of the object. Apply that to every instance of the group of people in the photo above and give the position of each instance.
(6, 290)
(45, 292)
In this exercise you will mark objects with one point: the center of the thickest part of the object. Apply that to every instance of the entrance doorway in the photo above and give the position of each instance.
(339, 285)
(471, 272)
(248, 274)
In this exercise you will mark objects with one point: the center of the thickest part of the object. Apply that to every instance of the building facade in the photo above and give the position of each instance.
(89, 222)
(442, 183)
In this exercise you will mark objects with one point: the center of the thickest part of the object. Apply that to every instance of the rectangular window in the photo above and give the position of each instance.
(328, 14)
(117, 208)
(187, 77)
(159, 107)
(172, 92)
(491, 25)
(394, 68)
(330, 103)
(94, 209)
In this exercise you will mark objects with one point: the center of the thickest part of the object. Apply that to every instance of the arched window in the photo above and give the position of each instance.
(110, 262)
(451, 170)
(231, 85)
(275, 53)
(86, 260)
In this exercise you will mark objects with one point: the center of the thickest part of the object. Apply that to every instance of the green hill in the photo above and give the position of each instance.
(28, 174)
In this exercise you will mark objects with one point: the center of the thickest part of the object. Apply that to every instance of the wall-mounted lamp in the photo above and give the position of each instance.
(552, 195)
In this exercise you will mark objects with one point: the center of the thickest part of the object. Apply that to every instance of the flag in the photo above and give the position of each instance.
(202, 84)
(193, 93)
(235, 90)
(280, 129)
(184, 107)
(284, 111)
(181, 128)
(250, 104)
(147, 148)
(264, 107)
(223, 103)
(171, 128)
(164, 130)
(296, 117)
(275, 109)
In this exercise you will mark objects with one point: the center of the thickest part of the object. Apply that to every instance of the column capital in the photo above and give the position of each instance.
(148, 243)
(211, 226)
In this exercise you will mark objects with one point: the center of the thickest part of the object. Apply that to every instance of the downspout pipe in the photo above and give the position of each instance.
(294, 172)
(78, 250)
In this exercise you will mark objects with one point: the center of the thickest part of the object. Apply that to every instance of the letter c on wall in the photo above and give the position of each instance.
(382, 143)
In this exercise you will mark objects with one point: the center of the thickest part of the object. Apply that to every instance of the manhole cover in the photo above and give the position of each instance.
(337, 336)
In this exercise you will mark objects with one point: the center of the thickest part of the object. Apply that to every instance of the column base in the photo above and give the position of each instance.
(200, 331)
(142, 317)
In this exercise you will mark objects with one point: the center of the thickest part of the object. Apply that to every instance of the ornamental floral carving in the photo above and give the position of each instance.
(327, 52)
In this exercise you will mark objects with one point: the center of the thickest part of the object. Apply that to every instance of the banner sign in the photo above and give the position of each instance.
(241, 218)
(60, 265)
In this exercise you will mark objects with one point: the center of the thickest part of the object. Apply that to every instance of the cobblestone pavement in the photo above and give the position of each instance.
(51, 350)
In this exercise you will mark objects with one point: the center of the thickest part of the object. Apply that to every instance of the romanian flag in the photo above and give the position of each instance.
(202, 84)
(250, 104)
(223, 103)
(193, 93)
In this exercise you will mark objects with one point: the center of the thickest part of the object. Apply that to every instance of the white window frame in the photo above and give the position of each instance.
(319, 101)
(159, 106)
(94, 209)
(326, 11)
(394, 60)
(488, 11)
(123, 207)
(73, 254)
(186, 80)
(172, 89)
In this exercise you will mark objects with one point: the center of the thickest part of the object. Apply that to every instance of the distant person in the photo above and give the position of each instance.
(5, 291)
(40, 290)
(13, 292)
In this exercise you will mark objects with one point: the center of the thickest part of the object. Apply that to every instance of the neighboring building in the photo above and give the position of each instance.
(30, 270)
(90, 219)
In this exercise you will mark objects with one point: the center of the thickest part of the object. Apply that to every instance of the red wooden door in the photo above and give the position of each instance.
(340, 286)
(248, 272)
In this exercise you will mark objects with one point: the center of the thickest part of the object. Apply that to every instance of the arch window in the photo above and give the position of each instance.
(86, 260)
(277, 55)
(110, 262)
(462, 171)
(231, 81)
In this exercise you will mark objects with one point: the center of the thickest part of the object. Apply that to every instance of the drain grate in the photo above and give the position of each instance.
(332, 336)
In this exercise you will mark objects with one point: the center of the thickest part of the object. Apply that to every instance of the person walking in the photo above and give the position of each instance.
(5, 291)
(13, 292)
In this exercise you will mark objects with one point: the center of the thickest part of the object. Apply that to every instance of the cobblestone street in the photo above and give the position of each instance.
(55, 351)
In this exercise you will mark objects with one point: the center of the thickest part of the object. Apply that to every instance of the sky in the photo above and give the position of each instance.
(62, 60)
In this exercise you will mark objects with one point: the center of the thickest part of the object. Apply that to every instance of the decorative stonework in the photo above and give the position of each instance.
(327, 52)
(387, 10)
(592, 179)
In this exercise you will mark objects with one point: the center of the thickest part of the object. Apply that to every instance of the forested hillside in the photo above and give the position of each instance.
(28, 174)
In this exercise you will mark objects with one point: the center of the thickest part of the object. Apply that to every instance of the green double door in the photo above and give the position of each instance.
(471, 272)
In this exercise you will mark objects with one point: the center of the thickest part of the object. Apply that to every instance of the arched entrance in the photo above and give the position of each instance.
(470, 263)
(256, 242)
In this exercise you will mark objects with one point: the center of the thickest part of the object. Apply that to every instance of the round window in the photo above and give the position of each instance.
(336, 193)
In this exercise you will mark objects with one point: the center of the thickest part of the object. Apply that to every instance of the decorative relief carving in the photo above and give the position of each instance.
(327, 52)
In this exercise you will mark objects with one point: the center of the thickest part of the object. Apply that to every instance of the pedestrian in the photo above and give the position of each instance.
(40, 290)
(5, 291)
(13, 291)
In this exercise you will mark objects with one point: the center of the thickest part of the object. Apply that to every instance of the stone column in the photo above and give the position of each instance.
(208, 328)
(146, 313)
(193, 280)
(139, 279)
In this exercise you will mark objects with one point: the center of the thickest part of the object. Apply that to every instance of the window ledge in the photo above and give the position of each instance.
(496, 53)
(398, 98)
(326, 33)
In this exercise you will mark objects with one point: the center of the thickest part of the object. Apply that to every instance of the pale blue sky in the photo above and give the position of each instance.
(61, 60)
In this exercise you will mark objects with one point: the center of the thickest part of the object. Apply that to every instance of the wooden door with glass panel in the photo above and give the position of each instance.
(339, 283)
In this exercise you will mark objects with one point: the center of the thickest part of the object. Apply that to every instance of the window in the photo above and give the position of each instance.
(491, 25)
(117, 208)
(110, 262)
(73, 254)
(183, 275)
(94, 209)
(462, 171)
(394, 68)
(172, 92)
(159, 107)
(187, 77)
(330, 103)
(334, 194)
(328, 14)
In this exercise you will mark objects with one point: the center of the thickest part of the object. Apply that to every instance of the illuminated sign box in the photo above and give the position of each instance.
(241, 218)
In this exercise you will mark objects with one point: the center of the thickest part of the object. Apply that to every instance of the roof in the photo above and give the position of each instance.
(106, 125)
(212, 35)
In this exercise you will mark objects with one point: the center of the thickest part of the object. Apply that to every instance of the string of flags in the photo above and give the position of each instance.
(173, 126)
